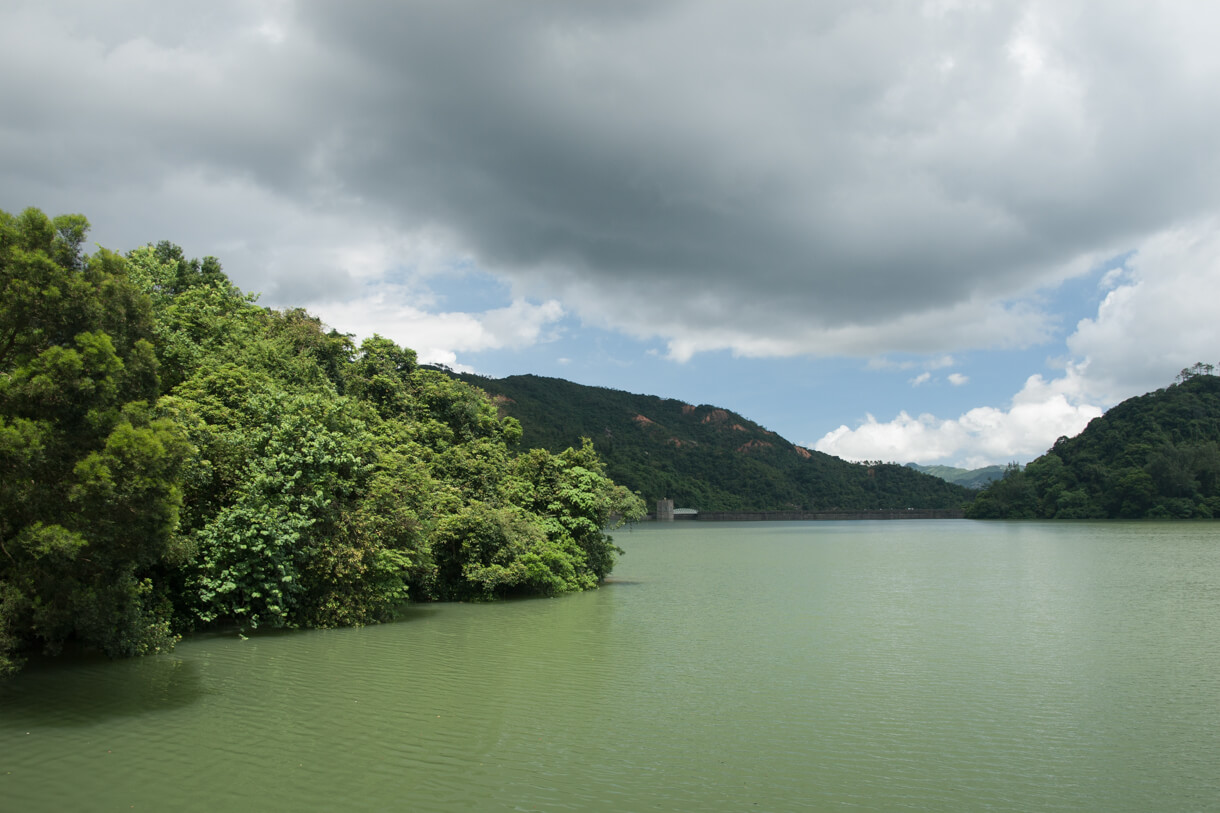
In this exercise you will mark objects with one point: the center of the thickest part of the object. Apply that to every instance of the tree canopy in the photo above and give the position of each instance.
(706, 457)
(173, 456)
(1153, 456)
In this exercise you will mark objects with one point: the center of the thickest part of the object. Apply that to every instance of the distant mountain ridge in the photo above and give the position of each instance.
(970, 478)
(703, 456)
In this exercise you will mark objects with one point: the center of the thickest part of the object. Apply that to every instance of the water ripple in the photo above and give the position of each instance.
(944, 667)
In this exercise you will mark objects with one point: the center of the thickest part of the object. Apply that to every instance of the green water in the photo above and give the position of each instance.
(909, 666)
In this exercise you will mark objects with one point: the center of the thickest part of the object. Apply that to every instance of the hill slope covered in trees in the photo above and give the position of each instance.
(173, 456)
(1152, 456)
(705, 457)
(970, 478)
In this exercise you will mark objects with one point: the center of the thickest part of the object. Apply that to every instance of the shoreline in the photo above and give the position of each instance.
(815, 516)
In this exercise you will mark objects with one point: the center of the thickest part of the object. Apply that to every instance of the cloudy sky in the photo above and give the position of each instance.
(944, 231)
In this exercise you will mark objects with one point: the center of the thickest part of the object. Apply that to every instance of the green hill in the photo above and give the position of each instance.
(1153, 456)
(704, 457)
(970, 478)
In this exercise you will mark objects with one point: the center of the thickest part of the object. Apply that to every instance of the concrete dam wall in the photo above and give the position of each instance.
(671, 515)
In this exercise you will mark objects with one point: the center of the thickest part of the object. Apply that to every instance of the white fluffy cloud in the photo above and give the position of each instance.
(1158, 316)
(1038, 415)
(439, 337)
(1163, 314)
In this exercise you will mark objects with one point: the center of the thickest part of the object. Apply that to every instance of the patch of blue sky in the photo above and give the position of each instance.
(1079, 297)
(466, 288)
(801, 398)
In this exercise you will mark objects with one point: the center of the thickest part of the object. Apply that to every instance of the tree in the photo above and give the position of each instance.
(174, 456)
(1156, 455)
(1197, 369)
(1013, 496)
(577, 501)
(91, 490)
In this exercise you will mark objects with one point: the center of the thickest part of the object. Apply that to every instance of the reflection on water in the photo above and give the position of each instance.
(934, 666)
(89, 691)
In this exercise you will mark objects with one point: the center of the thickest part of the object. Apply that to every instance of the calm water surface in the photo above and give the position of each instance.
(911, 666)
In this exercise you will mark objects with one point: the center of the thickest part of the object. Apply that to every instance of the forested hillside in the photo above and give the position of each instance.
(1152, 456)
(970, 478)
(704, 457)
(173, 456)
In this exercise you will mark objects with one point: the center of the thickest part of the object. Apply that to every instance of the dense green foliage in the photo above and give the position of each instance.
(1154, 456)
(704, 457)
(173, 456)
(90, 472)
(970, 478)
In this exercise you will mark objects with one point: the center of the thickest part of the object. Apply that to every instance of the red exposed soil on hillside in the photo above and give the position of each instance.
(501, 402)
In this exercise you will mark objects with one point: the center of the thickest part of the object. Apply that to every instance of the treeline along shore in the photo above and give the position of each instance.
(1154, 456)
(175, 457)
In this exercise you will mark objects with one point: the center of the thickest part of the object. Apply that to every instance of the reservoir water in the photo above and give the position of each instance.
(864, 666)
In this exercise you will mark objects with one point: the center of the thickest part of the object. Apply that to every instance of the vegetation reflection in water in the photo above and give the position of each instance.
(771, 666)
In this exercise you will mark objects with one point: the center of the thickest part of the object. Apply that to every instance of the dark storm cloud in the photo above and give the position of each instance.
(850, 164)
(775, 177)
